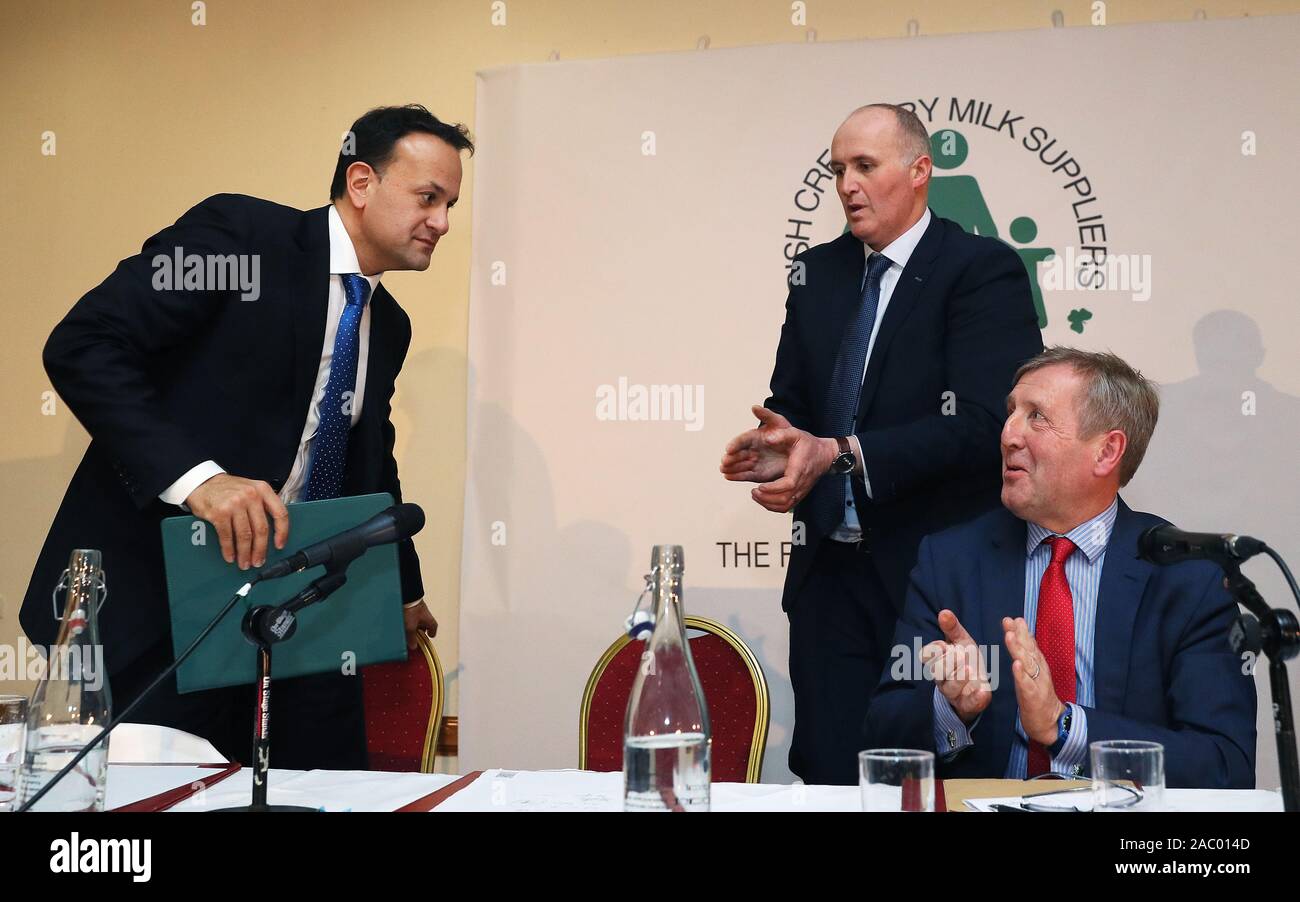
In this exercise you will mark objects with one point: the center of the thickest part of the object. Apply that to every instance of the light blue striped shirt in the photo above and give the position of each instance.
(1083, 573)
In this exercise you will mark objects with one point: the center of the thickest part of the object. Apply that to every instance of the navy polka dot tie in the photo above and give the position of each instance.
(329, 449)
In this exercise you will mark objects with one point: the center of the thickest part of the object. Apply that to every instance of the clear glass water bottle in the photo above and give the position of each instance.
(666, 736)
(72, 701)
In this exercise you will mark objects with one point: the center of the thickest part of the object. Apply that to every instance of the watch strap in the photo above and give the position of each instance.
(1062, 731)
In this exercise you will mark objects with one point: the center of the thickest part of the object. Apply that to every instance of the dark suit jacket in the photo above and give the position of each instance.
(961, 320)
(164, 380)
(1162, 667)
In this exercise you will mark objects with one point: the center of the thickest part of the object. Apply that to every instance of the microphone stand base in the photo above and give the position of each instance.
(264, 808)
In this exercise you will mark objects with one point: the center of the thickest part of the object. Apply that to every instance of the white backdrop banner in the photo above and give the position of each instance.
(633, 223)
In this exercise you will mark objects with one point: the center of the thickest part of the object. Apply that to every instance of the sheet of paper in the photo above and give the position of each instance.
(129, 783)
(773, 797)
(1077, 802)
(365, 790)
(322, 789)
(548, 790)
(1223, 800)
(1175, 800)
(572, 790)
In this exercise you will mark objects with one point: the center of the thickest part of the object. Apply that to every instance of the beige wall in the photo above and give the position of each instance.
(152, 113)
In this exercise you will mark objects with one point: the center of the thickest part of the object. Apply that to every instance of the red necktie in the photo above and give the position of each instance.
(1054, 632)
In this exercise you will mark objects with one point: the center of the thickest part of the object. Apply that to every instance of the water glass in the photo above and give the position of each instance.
(1127, 775)
(896, 780)
(13, 732)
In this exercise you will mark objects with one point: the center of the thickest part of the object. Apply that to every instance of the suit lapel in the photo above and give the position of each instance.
(843, 272)
(379, 360)
(849, 262)
(1002, 594)
(911, 283)
(310, 276)
(1123, 580)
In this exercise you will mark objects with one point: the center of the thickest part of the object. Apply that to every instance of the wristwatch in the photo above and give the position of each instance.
(846, 460)
(1062, 731)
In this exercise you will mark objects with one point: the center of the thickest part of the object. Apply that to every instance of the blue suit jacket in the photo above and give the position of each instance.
(1163, 669)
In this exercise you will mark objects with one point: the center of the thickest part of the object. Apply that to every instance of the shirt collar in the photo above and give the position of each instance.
(1091, 536)
(343, 256)
(899, 251)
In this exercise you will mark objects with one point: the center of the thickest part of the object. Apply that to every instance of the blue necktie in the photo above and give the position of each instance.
(329, 450)
(841, 406)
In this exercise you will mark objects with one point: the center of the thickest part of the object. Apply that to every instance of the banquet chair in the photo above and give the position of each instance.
(735, 691)
(403, 704)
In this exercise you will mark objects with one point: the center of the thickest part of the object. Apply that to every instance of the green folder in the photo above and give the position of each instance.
(361, 623)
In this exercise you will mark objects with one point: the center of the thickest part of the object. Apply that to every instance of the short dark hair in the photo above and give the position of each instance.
(372, 137)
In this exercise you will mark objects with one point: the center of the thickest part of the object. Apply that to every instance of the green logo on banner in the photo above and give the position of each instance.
(959, 198)
(1057, 257)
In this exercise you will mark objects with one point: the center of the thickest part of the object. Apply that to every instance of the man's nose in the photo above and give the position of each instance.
(439, 223)
(1011, 437)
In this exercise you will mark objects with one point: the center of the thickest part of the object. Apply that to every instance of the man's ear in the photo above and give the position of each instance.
(921, 169)
(360, 179)
(1110, 451)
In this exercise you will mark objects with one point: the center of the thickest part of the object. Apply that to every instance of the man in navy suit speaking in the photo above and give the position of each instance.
(1039, 627)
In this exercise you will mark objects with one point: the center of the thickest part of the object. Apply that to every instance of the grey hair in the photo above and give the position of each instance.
(1117, 397)
(913, 139)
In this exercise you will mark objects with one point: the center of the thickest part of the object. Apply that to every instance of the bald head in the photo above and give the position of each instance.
(913, 139)
(880, 156)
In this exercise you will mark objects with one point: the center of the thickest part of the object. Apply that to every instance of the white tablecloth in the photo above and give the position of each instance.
(331, 790)
(574, 790)
(557, 790)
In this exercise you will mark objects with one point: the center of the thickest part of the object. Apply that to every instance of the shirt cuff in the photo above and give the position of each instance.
(178, 491)
(861, 469)
(1075, 751)
(950, 734)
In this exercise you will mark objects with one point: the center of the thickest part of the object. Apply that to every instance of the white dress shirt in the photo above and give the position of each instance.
(899, 251)
(343, 259)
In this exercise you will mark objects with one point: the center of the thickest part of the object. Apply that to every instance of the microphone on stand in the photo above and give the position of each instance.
(1167, 544)
(399, 522)
(1273, 632)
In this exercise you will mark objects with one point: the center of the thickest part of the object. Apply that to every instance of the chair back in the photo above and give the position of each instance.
(403, 701)
(735, 690)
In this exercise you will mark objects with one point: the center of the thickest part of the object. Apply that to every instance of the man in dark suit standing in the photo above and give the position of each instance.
(244, 359)
(899, 343)
(1093, 642)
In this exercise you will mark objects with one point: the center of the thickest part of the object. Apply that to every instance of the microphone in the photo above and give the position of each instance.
(1167, 544)
(401, 521)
